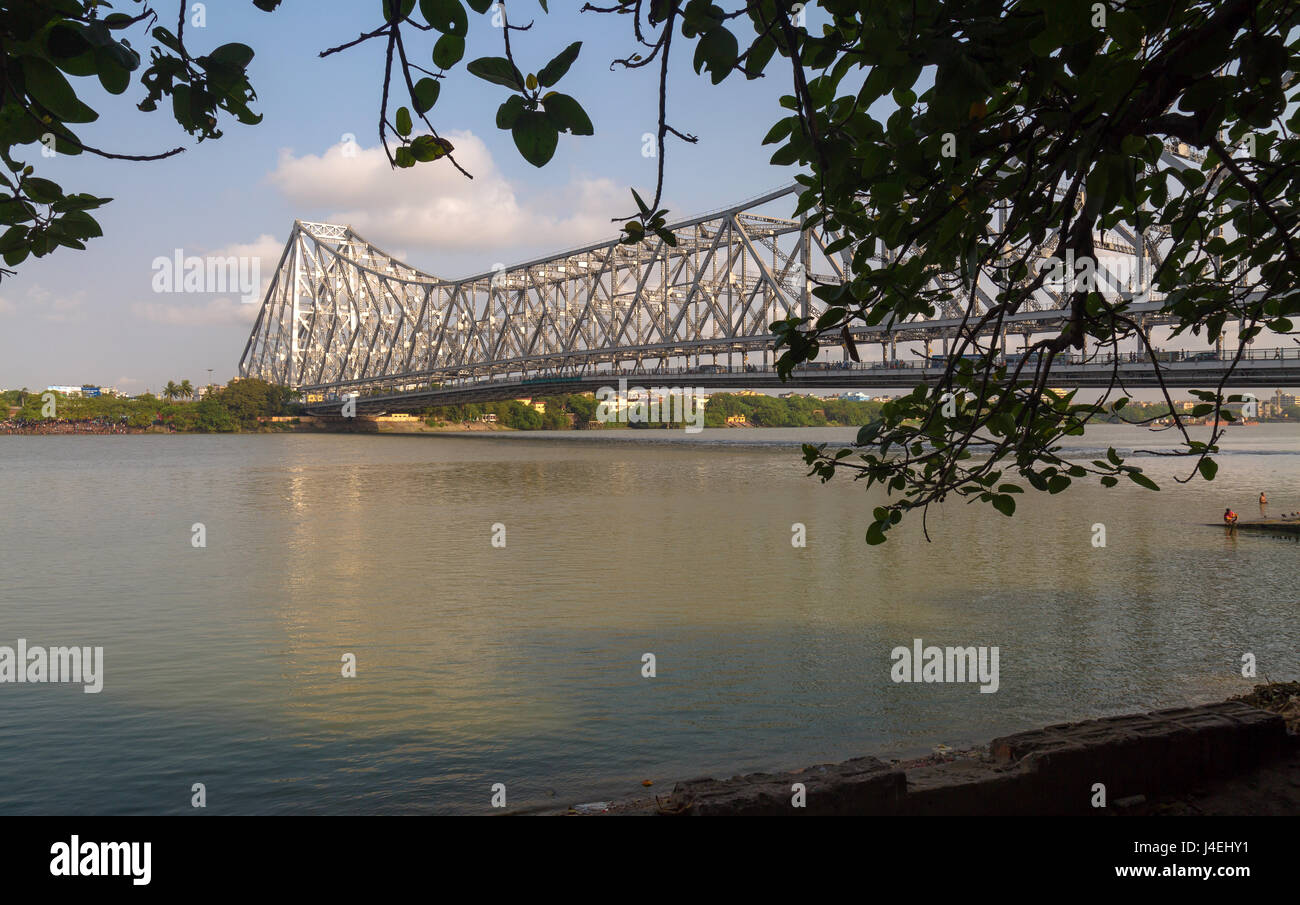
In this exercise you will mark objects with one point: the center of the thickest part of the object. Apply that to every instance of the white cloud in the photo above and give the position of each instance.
(434, 206)
(258, 259)
(265, 247)
(218, 312)
(43, 303)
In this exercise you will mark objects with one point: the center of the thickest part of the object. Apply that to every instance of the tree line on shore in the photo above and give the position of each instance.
(580, 411)
(1146, 412)
(236, 407)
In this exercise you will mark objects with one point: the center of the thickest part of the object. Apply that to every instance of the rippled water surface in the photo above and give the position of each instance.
(522, 664)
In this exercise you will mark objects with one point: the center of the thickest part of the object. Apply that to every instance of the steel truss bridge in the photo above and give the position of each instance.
(342, 318)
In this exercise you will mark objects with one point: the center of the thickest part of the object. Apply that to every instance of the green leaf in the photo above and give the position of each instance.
(42, 191)
(509, 111)
(779, 131)
(645, 208)
(51, 90)
(114, 77)
(448, 16)
(535, 136)
(403, 122)
(426, 94)
(553, 71)
(14, 238)
(1208, 469)
(396, 10)
(1005, 504)
(448, 51)
(716, 51)
(235, 56)
(80, 225)
(497, 70)
(1142, 480)
(425, 148)
(567, 114)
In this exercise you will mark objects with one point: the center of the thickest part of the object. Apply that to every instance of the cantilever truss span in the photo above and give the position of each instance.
(341, 313)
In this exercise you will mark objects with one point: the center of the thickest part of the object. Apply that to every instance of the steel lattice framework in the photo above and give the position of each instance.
(342, 313)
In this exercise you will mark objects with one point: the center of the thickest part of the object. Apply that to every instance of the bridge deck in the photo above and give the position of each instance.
(894, 375)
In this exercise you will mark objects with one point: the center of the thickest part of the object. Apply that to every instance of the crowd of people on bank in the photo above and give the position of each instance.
(66, 426)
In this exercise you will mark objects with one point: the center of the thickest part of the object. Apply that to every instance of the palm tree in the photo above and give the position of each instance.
(186, 389)
(171, 391)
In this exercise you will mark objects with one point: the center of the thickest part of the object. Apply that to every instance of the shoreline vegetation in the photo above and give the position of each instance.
(578, 411)
(244, 405)
(251, 405)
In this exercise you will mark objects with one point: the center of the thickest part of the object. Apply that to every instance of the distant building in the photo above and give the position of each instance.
(65, 391)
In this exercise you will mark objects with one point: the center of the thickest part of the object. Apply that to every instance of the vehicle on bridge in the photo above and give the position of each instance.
(941, 361)
(552, 379)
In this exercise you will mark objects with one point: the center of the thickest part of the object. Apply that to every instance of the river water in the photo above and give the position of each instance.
(522, 664)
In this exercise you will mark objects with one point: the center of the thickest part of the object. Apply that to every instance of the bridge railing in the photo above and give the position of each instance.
(1209, 361)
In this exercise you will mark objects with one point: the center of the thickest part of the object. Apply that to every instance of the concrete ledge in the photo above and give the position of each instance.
(1046, 771)
(861, 785)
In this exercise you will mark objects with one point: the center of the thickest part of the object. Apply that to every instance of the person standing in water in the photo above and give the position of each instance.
(1229, 517)
(1263, 500)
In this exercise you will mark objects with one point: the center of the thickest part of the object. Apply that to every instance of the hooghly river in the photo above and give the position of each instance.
(522, 664)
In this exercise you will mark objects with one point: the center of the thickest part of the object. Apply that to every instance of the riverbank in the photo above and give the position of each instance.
(310, 424)
(1238, 757)
(53, 427)
(1265, 526)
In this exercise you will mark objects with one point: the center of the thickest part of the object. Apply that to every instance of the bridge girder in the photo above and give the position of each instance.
(340, 312)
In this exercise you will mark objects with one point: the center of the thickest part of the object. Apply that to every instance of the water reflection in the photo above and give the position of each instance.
(479, 664)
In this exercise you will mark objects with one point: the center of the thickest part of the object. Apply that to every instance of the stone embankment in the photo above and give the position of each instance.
(1138, 763)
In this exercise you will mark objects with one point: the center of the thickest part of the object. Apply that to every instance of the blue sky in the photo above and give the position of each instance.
(93, 317)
